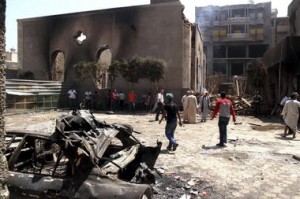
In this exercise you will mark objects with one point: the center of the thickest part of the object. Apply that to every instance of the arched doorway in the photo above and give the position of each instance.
(104, 57)
(58, 66)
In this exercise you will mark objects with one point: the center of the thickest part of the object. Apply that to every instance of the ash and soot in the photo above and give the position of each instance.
(183, 186)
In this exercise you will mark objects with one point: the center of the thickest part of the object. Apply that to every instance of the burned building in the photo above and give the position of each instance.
(49, 46)
(282, 59)
(234, 35)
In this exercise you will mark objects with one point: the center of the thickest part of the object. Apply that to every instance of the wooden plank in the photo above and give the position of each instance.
(246, 102)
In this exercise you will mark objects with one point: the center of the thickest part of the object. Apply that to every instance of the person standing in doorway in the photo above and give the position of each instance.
(159, 103)
(72, 99)
(290, 114)
(225, 109)
(171, 114)
(204, 104)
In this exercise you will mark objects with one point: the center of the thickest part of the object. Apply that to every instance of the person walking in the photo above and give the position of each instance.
(72, 99)
(191, 108)
(159, 103)
(171, 114)
(225, 109)
(184, 102)
(131, 100)
(290, 114)
(204, 105)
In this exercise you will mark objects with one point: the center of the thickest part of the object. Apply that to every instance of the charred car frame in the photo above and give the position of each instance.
(83, 158)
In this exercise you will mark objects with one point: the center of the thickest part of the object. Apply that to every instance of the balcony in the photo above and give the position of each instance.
(238, 36)
(238, 20)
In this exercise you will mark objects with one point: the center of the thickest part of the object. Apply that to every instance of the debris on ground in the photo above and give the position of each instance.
(296, 157)
(174, 186)
(241, 105)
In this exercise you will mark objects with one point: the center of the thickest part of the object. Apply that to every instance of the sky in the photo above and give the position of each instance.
(20, 9)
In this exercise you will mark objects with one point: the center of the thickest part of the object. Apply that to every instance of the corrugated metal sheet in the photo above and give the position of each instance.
(32, 87)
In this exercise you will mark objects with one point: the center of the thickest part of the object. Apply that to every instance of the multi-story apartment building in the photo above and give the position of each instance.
(234, 35)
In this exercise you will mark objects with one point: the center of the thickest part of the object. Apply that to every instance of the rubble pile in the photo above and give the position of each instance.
(241, 105)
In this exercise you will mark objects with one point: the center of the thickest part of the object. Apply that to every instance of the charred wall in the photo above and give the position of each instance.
(149, 31)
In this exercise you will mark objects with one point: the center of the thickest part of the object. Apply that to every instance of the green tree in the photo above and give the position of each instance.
(154, 70)
(115, 68)
(3, 162)
(136, 68)
(131, 69)
(91, 70)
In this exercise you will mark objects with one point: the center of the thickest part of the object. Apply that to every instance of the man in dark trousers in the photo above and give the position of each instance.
(257, 99)
(171, 114)
(225, 109)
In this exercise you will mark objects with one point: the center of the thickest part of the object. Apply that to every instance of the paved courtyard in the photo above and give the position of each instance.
(257, 162)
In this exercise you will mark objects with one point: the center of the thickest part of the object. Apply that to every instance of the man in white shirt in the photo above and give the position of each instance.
(159, 103)
(72, 99)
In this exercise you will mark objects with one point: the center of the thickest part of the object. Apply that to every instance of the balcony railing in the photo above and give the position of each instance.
(238, 19)
(235, 37)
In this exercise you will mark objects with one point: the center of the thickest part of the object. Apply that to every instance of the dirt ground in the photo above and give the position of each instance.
(257, 162)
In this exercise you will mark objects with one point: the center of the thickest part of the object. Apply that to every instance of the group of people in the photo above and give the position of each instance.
(117, 100)
(86, 103)
(171, 114)
(192, 106)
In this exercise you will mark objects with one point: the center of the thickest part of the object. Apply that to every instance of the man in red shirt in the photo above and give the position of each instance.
(131, 100)
(225, 109)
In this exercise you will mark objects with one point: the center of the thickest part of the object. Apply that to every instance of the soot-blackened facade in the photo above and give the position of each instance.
(47, 45)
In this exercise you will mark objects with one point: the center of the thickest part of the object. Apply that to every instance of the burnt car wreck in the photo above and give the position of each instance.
(83, 158)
